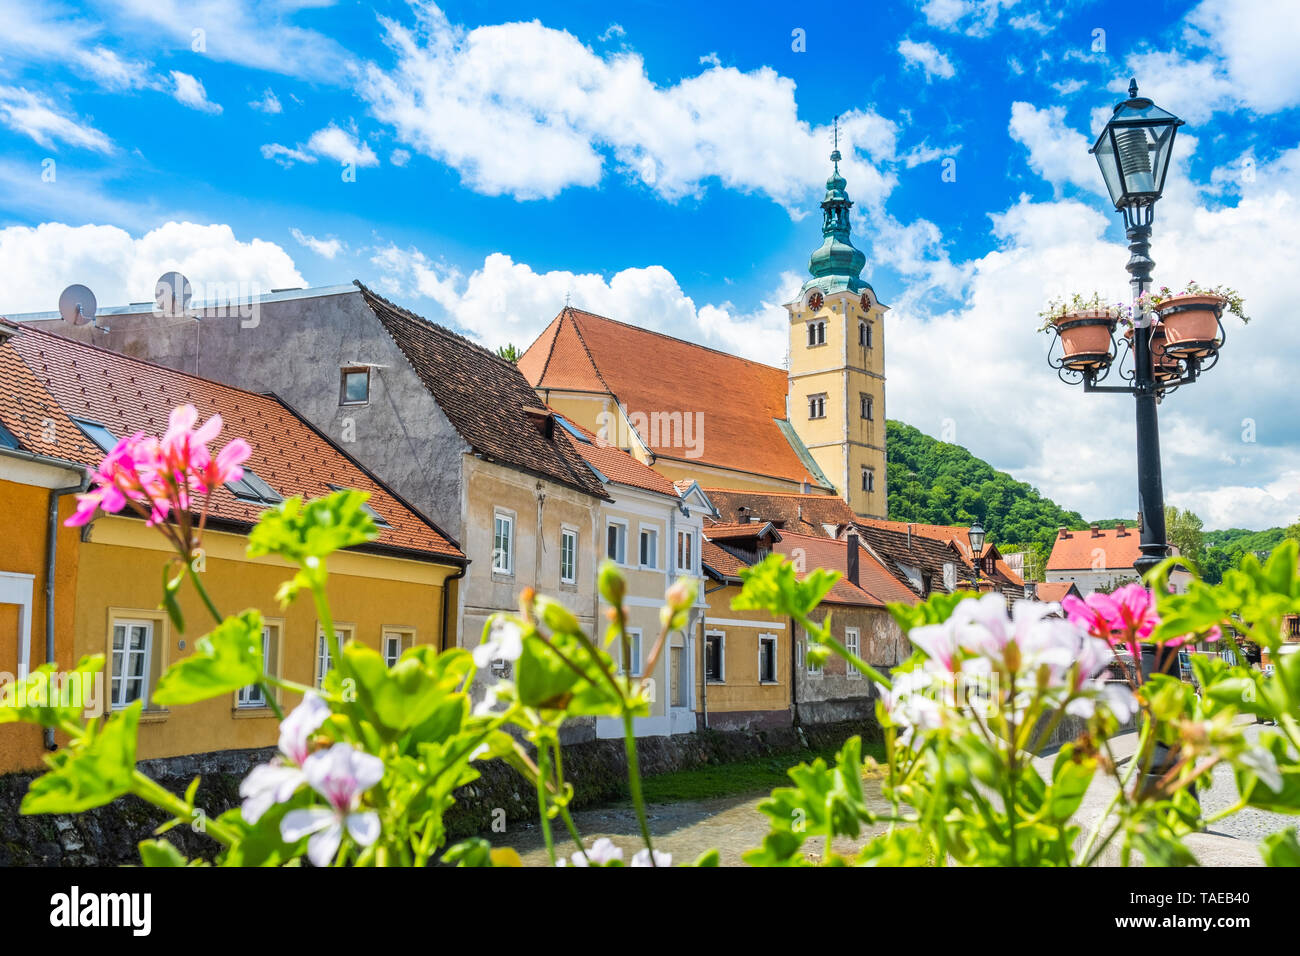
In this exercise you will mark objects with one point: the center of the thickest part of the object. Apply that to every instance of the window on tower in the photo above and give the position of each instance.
(868, 480)
(868, 409)
(816, 333)
(817, 406)
(864, 334)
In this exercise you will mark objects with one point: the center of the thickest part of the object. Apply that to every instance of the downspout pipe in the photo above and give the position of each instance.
(51, 561)
(446, 600)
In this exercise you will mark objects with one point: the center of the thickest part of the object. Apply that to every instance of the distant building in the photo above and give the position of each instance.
(1100, 558)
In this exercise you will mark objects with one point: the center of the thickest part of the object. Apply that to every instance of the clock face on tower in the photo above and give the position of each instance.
(865, 302)
(815, 301)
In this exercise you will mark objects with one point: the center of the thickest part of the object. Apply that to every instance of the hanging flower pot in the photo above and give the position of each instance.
(1191, 322)
(1086, 338)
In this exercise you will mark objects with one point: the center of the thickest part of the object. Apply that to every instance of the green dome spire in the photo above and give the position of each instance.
(836, 264)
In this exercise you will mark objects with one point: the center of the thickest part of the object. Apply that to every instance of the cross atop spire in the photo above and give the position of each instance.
(835, 153)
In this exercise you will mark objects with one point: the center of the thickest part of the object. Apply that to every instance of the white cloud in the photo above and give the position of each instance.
(507, 301)
(326, 248)
(255, 34)
(1057, 153)
(43, 32)
(1258, 47)
(36, 116)
(972, 17)
(399, 157)
(927, 57)
(524, 110)
(188, 91)
(119, 268)
(341, 145)
(286, 156)
(268, 103)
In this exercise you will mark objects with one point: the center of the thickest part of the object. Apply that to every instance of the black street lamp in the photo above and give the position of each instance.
(975, 535)
(1133, 152)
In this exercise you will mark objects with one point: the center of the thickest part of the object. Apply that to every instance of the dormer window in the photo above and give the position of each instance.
(354, 386)
(816, 333)
(97, 433)
(252, 489)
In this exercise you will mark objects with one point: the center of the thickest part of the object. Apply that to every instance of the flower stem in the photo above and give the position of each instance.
(634, 781)
(203, 592)
(543, 772)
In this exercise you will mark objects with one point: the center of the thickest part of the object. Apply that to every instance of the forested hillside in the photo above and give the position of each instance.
(938, 483)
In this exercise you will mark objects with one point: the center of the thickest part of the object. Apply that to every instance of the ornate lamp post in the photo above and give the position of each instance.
(1133, 152)
(975, 535)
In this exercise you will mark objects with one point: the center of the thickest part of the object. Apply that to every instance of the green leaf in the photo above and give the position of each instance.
(92, 773)
(306, 533)
(49, 698)
(412, 693)
(170, 586)
(1070, 781)
(162, 853)
(542, 678)
(773, 586)
(224, 661)
(708, 858)
(1281, 848)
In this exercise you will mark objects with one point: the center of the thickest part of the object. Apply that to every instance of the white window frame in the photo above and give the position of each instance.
(568, 534)
(405, 637)
(634, 638)
(817, 406)
(508, 566)
(776, 659)
(722, 657)
(253, 696)
(323, 653)
(818, 671)
(687, 534)
(816, 333)
(853, 644)
(344, 372)
(864, 334)
(118, 701)
(642, 531)
(869, 480)
(867, 401)
(622, 525)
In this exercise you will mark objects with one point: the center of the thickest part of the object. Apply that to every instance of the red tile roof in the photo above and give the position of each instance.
(484, 396)
(876, 586)
(725, 563)
(792, 510)
(614, 463)
(957, 534)
(1054, 590)
(127, 395)
(726, 532)
(650, 373)
(1085, 550)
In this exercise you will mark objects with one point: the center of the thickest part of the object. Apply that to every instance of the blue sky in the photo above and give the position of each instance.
(661, 163)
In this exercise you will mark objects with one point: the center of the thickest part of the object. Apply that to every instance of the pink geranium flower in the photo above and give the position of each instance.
(157, 478)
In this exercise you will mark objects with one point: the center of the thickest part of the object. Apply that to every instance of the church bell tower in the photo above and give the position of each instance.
(836, 396)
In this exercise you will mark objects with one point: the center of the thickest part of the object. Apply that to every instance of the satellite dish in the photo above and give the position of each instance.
(77, 305)
(172, 294)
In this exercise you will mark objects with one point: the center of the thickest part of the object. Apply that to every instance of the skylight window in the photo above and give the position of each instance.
(374, 515)
(572, 430)
(97, 433)
(7, 439)
(253, 489)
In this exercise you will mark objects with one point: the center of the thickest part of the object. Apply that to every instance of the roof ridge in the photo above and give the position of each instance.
(123, 357)
(550, 352)
(783, 494)
(434, 326)
(582, 340)
(665, 335)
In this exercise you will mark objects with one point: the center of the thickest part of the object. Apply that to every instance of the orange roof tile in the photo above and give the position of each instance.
(1054, 590)
(744, 529)
(127, 395)
(614, 463)
(725, 563)
(876, 586)
(739, 402)
(957, 534)
(797, 512)
(1081, 550)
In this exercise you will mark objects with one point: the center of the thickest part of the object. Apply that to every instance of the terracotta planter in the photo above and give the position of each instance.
(1191, 322)
(1085, 337)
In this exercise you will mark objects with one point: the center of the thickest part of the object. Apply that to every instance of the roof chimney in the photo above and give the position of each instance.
(743, 514)
(1121, 531)
(1064, 533)
(851, 567)
(1096, 532)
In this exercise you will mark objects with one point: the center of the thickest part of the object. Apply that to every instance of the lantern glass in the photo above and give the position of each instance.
(1134, 150)
(976, 536)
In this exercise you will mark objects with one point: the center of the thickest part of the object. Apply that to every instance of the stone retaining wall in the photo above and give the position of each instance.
(107, 836)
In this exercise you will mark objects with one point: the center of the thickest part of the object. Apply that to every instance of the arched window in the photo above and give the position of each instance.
(868, 407)
(868, 480)
(816, 333)
(864, 334)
